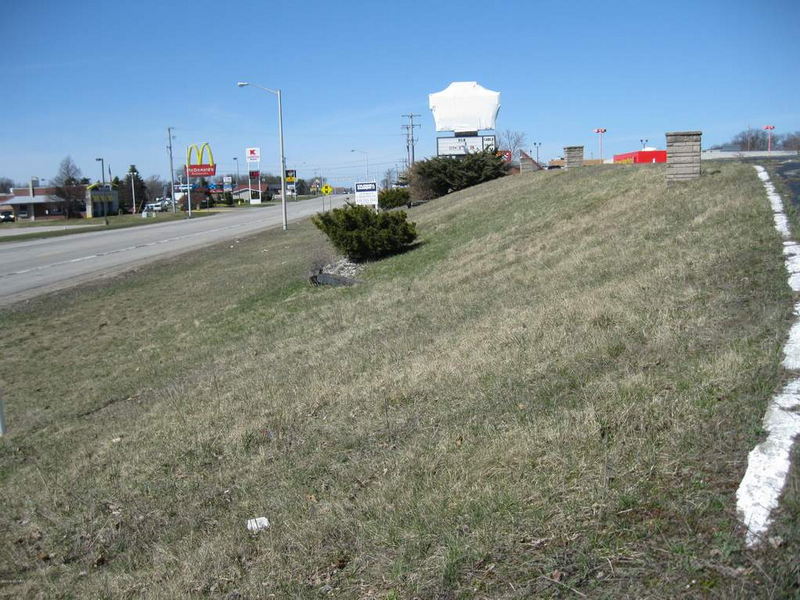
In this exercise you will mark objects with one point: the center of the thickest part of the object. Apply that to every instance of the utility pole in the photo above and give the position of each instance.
(409, 127)
(171, 168)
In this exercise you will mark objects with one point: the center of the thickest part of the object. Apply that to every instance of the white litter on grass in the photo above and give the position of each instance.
(769, 462)
(258, 523)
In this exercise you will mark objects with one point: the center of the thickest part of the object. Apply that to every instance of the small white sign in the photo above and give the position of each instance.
(367, 193)
(253, 155)
(227, 179)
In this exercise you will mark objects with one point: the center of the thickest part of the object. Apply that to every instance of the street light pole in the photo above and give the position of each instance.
(171, 170)
(280, 135)
(536, 145)
(600, 131)
(366, 160)
(133, 173)
(643, 142)
(236, 158)
(102, 171)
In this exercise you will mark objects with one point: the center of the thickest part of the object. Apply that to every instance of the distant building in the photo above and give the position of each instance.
(648, 155)
(101, 200)
(36, 202)
(527, 163)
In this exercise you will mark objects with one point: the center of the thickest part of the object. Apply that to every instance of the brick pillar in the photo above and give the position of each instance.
(573, 156)
(683, 155)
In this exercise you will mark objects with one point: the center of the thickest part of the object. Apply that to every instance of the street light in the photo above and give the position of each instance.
(280, 135)
(133, 172)
(536, 145)
(366, 158)
(102, 170)
(236, 158)
(643, 142)
(600, 131)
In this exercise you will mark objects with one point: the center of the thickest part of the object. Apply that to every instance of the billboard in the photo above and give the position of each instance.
(459, 146)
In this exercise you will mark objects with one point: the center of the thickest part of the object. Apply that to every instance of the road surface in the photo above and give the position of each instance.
(29, 268)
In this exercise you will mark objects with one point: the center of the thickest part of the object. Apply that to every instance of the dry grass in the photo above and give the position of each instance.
(553, 395)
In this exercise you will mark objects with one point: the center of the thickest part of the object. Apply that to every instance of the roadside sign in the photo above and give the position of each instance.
(199, 168)
(254, 174)
(227, 179)
(327, 190)
(253, 154)
(291, 175)
(367, 193)
(227, 187)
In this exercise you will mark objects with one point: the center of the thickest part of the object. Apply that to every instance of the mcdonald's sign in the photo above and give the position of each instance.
(199, 168)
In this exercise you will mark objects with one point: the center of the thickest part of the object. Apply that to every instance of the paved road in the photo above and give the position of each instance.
(15, 231)
(29, 268)
(789, 172)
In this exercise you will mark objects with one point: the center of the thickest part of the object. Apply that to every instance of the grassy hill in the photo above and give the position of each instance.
(553, 395)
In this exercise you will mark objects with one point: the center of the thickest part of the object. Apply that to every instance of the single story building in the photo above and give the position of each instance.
(36, 203)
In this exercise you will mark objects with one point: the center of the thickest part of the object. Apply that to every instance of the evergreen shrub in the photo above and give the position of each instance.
(438, 176)
(362, 234)
(393, 198)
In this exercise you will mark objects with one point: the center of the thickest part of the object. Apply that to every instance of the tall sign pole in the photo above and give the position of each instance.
(188, 185)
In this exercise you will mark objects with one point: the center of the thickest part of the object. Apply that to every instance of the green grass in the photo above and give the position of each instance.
(73, 226)
(555, 393)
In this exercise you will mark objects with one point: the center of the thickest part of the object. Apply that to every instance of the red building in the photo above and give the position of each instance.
(641, 156)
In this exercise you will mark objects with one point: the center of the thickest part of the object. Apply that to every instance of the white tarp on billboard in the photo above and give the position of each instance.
(464, 106)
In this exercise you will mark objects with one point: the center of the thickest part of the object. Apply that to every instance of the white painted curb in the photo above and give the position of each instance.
(769, 462)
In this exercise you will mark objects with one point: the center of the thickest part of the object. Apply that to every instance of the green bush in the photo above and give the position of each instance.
(438, 176)
(393, 198)
(362, 234)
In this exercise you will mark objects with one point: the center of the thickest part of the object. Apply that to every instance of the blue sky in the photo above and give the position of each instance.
(105, 79)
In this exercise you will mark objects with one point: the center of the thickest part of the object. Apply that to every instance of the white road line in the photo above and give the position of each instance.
(769, 462)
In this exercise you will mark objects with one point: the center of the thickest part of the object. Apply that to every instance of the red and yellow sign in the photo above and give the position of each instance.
(199, 168)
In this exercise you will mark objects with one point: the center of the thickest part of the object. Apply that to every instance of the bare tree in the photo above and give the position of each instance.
(155, 187)
(791, 141)
(750, 139)
(68, 186)
(388, 179)
(5, 185)
(511, 140)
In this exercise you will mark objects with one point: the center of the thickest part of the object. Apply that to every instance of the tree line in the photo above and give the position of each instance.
(752, 139)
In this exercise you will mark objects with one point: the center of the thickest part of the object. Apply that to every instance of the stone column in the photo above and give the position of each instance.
(573, 156)
(683, 155)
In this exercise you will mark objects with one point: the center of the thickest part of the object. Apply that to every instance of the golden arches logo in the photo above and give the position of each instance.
(200, 168)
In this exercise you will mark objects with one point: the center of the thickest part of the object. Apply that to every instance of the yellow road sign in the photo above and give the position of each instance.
(327, 189)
